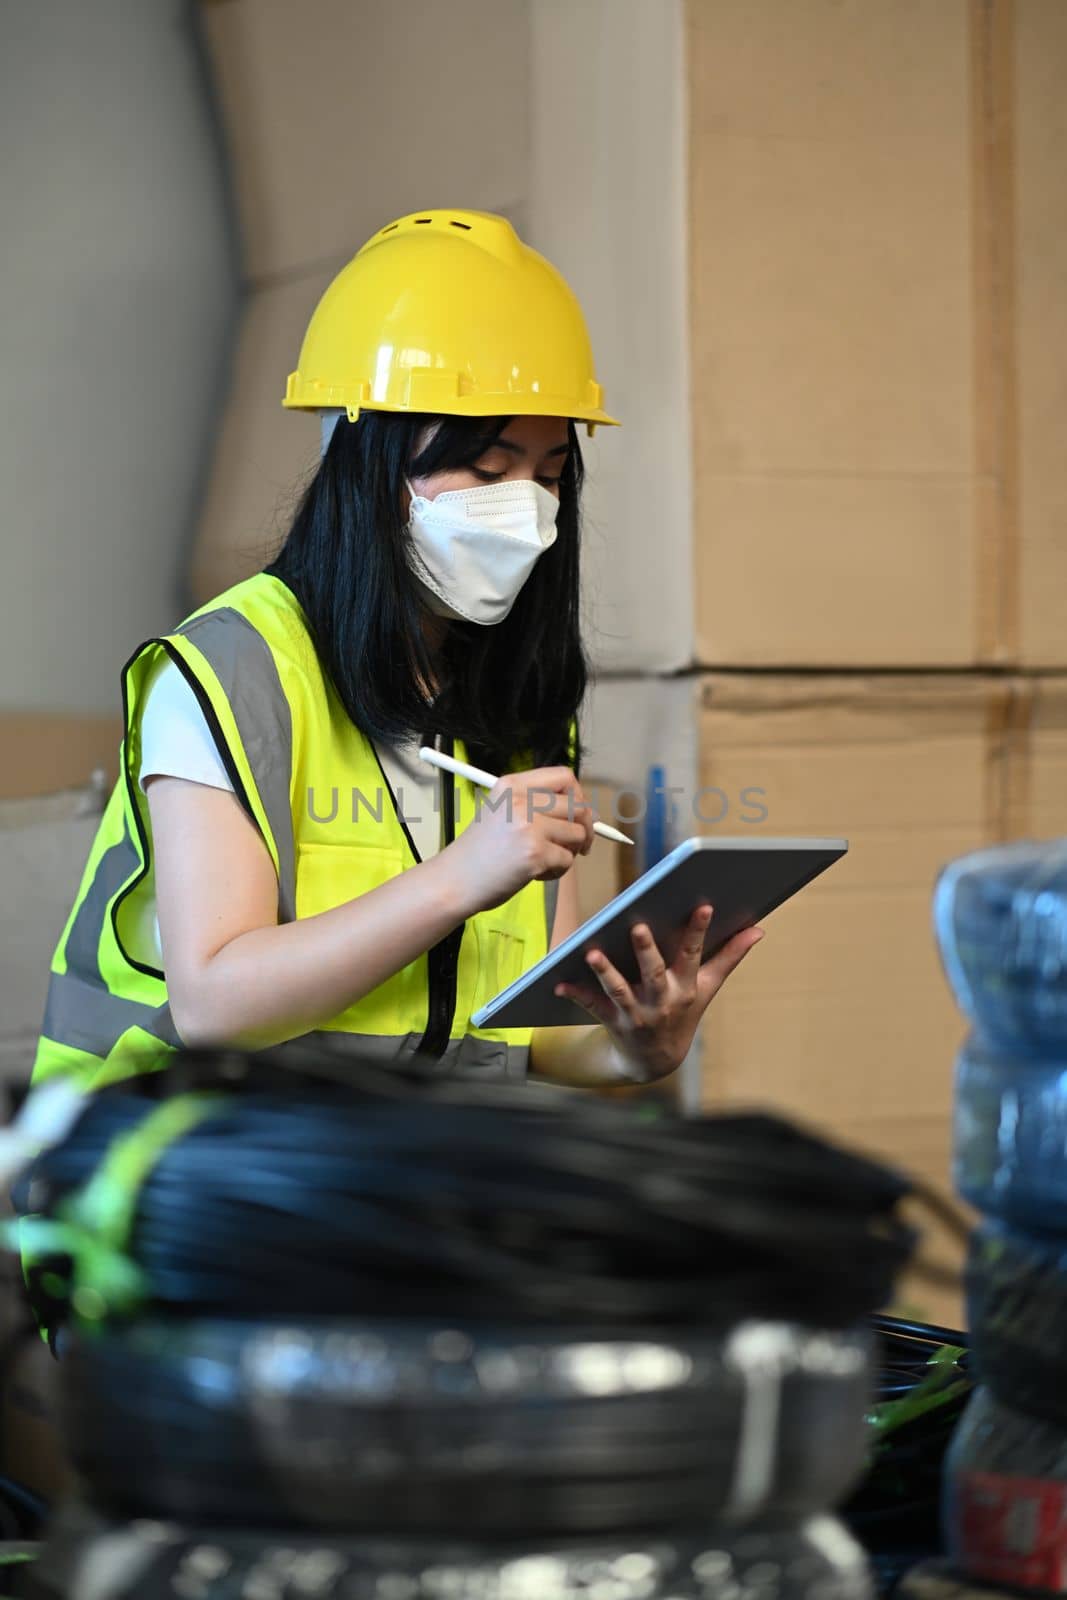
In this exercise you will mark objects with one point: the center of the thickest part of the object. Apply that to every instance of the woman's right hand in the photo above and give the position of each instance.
(530, 825)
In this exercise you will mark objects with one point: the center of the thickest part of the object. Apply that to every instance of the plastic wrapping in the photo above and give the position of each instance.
(86, 1559)
(1000, 916)
(419, 1426)
(1017, 1309)
(1005, 1497)
(1010, 1136)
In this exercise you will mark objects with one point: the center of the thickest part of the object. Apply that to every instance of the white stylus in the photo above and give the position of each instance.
(487, 781)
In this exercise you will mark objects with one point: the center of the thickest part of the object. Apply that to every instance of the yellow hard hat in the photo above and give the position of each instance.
(448, 312)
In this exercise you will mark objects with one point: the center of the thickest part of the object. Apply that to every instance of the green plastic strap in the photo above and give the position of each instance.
(95, 1225)
(943, 1383)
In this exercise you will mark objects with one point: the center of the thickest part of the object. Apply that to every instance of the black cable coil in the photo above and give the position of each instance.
(817, 1560)
(405, 1194)
(923, 1382)
(367, 1426)
(1017, 1309)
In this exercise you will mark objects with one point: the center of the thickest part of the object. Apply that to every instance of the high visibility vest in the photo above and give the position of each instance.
(313, 785)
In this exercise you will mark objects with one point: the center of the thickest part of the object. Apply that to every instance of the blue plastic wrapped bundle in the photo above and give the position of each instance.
(1010, 1135)
(1000, 916)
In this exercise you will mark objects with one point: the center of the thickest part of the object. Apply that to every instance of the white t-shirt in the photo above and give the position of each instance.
(176, 742)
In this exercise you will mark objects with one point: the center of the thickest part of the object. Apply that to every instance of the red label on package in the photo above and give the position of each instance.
(1012, 1530)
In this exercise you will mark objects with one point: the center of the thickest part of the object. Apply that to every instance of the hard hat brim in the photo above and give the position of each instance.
(481, 405)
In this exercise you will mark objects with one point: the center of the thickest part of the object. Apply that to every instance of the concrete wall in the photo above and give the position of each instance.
(119, 285)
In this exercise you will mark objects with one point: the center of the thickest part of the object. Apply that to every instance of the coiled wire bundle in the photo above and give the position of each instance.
(407, 1195)
(412, 1426)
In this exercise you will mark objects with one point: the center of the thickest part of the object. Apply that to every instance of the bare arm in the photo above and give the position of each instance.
(233, 972)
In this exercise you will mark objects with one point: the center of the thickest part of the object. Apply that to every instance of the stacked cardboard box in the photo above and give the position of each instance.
(878, 244)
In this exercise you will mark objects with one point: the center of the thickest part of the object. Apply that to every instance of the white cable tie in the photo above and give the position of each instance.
(45, 1118)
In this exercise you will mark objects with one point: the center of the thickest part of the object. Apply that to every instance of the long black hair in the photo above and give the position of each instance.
(508, 690)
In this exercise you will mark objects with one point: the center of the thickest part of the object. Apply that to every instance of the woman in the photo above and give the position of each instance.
(261, 872)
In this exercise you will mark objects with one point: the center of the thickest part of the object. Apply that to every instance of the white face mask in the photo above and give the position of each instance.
(475, 548)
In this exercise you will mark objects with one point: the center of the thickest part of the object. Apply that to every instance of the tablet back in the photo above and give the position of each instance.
(742, 878)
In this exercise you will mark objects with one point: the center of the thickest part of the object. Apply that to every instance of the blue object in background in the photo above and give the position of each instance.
(1009, 1135)
(656, 829)
(1000, 916)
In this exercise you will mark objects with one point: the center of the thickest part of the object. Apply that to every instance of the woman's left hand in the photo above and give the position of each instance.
(653, 1021)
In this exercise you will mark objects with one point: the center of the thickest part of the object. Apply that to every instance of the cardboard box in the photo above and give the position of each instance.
(832, 333)
(1038, 65)
(878, 241)
(45, 751)
(1036, 793)
(843, 1017)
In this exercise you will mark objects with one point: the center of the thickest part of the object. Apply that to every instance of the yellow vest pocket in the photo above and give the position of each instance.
(329, 875)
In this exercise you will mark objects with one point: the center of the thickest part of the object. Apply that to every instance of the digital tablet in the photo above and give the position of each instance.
(743, 879)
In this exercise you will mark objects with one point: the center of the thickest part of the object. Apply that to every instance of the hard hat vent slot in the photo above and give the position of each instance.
(390, 228)
(419, 220)
(464, 225)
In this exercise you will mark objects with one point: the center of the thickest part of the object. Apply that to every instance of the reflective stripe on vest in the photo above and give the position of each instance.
(467, 1056)
(258, 702)
(284, 738)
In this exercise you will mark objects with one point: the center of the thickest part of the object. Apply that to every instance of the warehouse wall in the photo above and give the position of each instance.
(119, 285)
